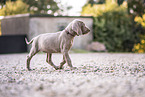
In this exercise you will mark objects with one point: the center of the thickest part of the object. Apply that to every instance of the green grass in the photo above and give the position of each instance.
(79, 51)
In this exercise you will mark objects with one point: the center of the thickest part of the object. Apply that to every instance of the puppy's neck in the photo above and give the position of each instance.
(68, 33)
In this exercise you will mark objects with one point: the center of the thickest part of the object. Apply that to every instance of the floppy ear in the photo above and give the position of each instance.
(76, 27)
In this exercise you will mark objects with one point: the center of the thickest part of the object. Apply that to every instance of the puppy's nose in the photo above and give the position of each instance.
(88, 30)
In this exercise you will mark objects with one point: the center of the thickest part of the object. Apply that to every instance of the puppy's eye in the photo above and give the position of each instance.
(82, 27)
(83, 24)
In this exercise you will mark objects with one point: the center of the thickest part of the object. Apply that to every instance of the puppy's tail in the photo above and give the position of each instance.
(28, 42)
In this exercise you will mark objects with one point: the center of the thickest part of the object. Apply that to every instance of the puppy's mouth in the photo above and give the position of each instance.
(87, 31)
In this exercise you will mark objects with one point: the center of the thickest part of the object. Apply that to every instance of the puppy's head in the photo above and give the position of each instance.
(79, 27)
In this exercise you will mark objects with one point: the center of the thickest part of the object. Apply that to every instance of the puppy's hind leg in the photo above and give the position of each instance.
(48, 60)
(33, 51)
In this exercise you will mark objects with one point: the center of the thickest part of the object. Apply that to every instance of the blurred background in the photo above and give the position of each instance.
(118, 25)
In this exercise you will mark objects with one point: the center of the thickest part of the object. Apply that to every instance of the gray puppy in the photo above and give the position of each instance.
(59, 42)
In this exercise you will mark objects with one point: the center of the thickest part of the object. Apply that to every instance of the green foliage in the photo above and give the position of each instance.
(0, 28)
(136, 7)
(112, 25)
(13, 8)
(92, 2)
(53, 7)
(42, 6)
(3, 2)
(140, 20)
(140, 47)
(79, 51)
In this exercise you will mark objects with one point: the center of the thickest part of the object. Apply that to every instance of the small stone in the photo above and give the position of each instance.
(84, 71)
(96, 46)
(40, 88)
(11, 80)
(95, 70)
(107, 71)
(42, 79)
(67, 70)
(84, 67)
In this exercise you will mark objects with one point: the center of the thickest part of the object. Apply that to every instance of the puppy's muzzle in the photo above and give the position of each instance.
(86, 31)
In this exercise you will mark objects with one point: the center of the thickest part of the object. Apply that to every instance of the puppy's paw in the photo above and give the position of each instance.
(73, 68)
(56, 67)
(29, 69)
(60, 67)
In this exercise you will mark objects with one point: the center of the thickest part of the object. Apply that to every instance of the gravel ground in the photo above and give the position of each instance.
(98, 75)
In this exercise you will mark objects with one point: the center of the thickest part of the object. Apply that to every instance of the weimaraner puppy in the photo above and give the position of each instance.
(59, 42)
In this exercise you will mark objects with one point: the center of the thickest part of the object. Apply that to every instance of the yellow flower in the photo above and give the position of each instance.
(138, 19)
(142, 46)
(137, 46)
(142, 41)
(140, 51)
(143, 24)
(144, 17)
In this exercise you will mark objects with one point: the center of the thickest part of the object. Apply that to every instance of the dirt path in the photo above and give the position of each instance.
(98, 75)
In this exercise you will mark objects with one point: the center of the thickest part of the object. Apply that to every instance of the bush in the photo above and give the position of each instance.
(13, 8)
(0, 28)
(140, 47)
(112, 26)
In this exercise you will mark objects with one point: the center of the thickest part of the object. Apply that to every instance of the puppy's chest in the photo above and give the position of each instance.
(69, 44)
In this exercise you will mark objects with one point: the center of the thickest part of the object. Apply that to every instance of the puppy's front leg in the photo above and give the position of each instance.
(68, 60)
(48, 60)
(62, 63)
